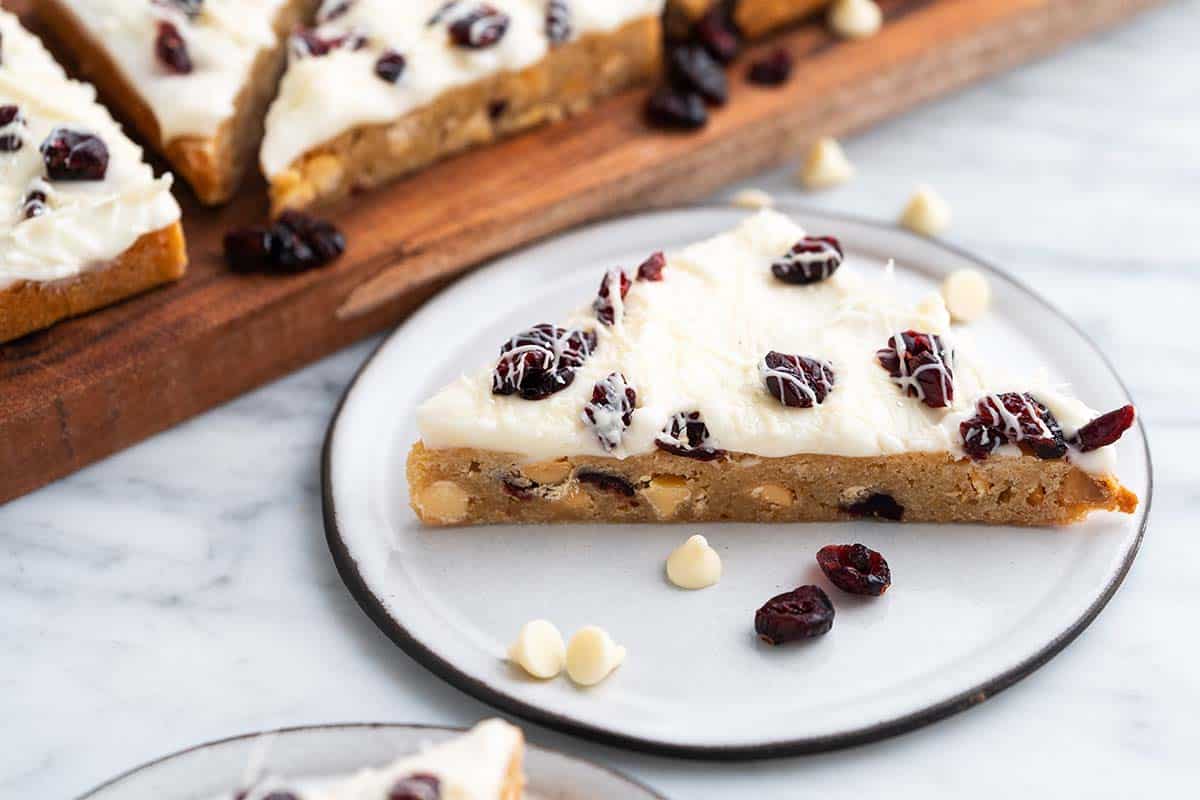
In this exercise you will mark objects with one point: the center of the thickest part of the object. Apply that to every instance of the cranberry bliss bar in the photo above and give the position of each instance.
(485, 763)
(83, 222)
(753, 377)
(380, 88)
(753, 18)
(193, 76)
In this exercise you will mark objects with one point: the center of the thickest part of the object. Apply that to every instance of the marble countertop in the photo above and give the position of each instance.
(182, 591)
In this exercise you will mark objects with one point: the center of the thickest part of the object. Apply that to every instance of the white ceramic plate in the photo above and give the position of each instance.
(972, 610)
(217, 768)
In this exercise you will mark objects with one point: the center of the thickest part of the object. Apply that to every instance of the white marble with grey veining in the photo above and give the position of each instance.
(182, 591)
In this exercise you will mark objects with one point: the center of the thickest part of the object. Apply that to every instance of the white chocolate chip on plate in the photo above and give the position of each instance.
(826, 165)
(539, 649)
(752, 198)
(592, 655)
(694, 564)
(855, 19)
(967, 294)
(926, 213)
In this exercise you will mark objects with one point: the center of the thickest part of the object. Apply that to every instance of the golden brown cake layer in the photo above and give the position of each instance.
(154, 259)
(214, 167)
(567, 81)
(469, 487)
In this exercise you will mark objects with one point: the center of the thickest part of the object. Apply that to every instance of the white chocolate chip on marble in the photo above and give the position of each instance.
(752, 198)
(694, 564)
(592, 655)
(926, 213)
(539, 649)
(967, 294)
(855, 19)
(826, 165)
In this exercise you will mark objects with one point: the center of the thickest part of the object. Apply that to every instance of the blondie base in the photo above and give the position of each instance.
(470, 487)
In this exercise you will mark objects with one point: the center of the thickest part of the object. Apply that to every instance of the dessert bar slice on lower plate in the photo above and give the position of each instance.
(754, 377)
(83, 221)
(194, 77)
(485, 763)
(379, 89)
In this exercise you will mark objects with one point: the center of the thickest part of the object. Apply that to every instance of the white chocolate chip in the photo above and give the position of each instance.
(666, 493)
(967, 294)
(539, 649)
(592, 655)
(855, 19)
(752, 198)
(443, 502)
(694, 564)
(926, 213)
(826, 165)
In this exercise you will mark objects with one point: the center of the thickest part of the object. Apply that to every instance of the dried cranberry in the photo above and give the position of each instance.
(558, 21)
(609, 304)
(11, 142)
(171, 49)
(416, 787)
(878, 505)
(294, 243)
(482, 27)
(541, 360)
(71, 155)
(716, 33)
(34, 205)
(651, 269)
(811, 260)
(922, 366)
(496, 109)
(797, 381)
(685, 434)
(855, 568)
(610, 411)
(773, 70)
(690, 67)
(1105, 429)
(339, 10)
(669, 107)
(1012, 418)
(607, 482)
(802, 613)
(390, 66)
(308, 42)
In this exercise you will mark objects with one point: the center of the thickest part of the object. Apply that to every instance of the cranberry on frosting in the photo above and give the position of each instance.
(686, 434)
(610, 300)
(482, 26)
(922, 365)
(558, 21)
(10, 117)
(541, 360)
(390, 66)
(1012, 418)
(652, 268)
(610, 411)
(797, 381)
(811, 260)
(71, 155)
(171, 49)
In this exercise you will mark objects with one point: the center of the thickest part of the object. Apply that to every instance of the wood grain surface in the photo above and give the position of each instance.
(89, 387)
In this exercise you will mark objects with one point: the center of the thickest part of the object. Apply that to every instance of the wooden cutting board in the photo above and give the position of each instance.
(89, 387)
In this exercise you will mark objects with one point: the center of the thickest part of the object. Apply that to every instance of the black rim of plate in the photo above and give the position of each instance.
(481, 690)
(111, 782)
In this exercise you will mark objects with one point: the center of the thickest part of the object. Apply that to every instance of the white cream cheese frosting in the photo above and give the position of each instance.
(223, 39)
(85, 222)
(323, 97)
(695, 342)
(473, 766)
